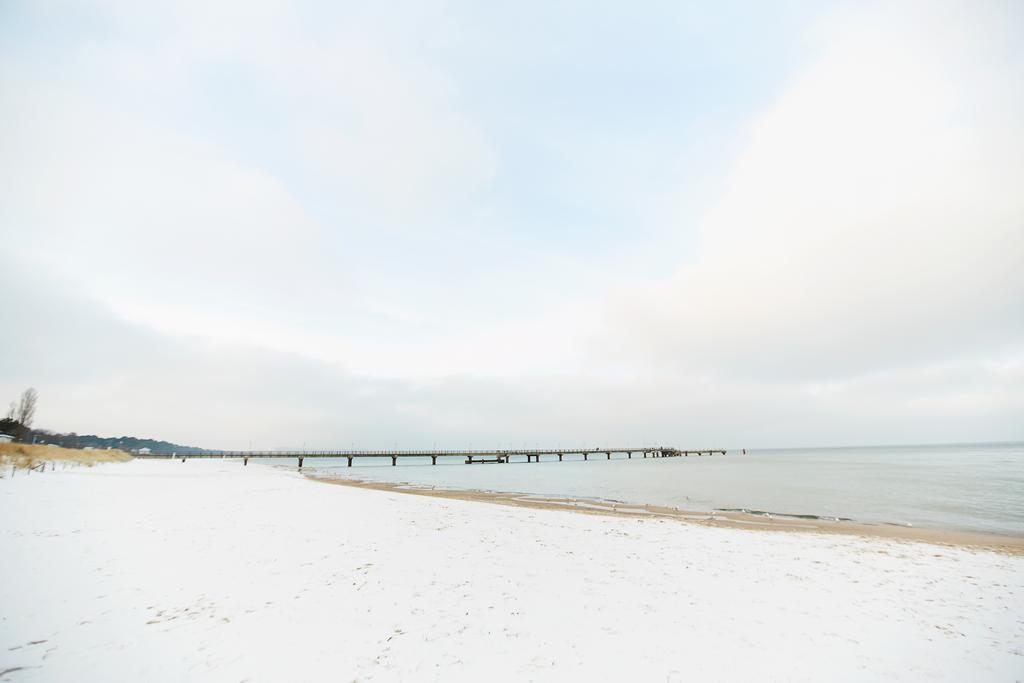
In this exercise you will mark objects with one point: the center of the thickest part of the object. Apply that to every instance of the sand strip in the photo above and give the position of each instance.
(1004, 544)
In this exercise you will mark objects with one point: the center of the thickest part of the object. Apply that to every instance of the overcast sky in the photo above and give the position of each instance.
(738, 224)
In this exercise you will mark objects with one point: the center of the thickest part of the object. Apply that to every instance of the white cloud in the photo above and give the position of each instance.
(389, 135)
(112, 178)
(874, 218)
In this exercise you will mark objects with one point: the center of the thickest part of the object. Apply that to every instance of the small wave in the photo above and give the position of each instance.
(765, 513)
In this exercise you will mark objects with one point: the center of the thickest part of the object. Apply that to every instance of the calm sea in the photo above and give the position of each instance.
(970, 487)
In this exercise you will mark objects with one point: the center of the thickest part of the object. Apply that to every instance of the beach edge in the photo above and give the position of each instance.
(1008, 545)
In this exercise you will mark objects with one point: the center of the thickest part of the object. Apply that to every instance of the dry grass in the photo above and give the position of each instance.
(22, 455)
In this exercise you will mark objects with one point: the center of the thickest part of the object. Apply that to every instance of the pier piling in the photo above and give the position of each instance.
(472, 456)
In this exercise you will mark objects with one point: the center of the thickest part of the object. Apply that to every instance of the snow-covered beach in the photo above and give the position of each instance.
(213, 571)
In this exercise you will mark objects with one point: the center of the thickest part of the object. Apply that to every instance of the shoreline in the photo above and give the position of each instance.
(1009, 545)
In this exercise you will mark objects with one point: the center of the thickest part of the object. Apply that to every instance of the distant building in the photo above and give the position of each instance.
(6, 438)
(144, 451)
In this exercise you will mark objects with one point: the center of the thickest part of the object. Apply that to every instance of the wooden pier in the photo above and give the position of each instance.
(471, 456)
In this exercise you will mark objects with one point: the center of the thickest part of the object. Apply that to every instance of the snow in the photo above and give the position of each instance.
(213, 571)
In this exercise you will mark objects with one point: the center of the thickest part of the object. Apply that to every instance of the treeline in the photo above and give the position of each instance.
(125, 443)
(18, 424)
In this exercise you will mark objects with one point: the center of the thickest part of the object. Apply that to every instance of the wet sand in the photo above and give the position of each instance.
(1010, 545)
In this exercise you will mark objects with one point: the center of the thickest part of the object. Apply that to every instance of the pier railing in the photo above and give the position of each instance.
(503, 455)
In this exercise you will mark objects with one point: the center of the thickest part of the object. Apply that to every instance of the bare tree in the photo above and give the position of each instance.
(27, 408)
(11, 411)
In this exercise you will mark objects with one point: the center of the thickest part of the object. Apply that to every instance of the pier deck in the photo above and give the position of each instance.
(471, 456)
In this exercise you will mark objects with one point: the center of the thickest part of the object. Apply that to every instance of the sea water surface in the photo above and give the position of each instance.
(969, 487)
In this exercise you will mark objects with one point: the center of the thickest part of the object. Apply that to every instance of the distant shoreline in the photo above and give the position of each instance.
(1010, 545)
